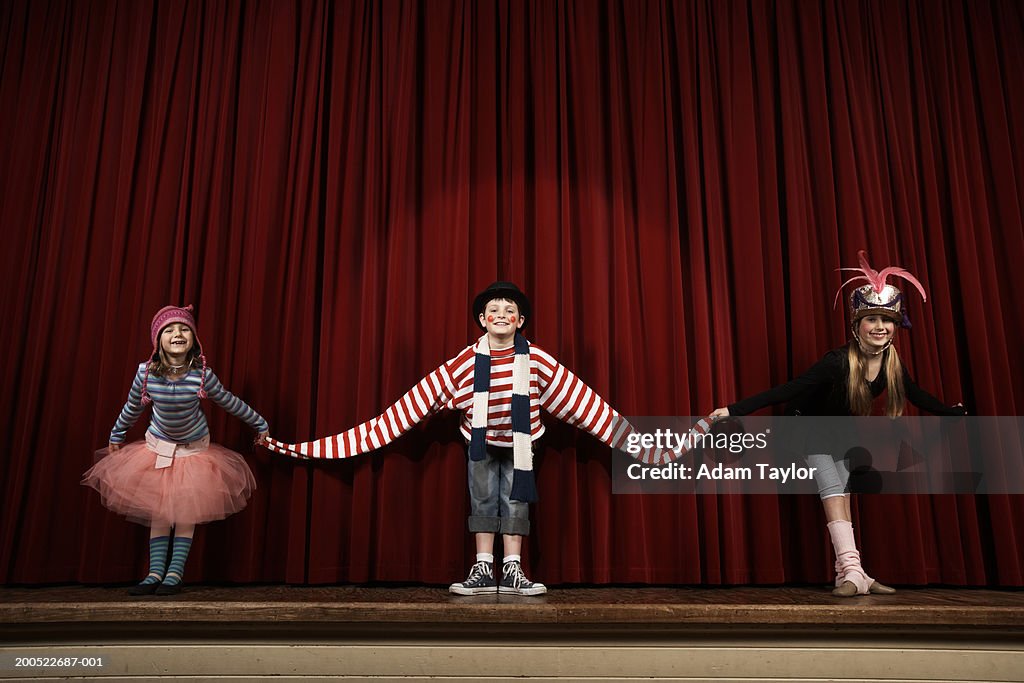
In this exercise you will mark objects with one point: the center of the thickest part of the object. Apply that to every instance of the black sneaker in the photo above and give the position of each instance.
(514, 581)
(480, 580)
(144, 588)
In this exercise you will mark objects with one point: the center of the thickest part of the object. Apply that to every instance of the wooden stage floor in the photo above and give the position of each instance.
(281, 605)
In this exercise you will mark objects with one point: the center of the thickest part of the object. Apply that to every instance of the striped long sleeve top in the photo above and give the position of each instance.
(177, 415)
(553, 388)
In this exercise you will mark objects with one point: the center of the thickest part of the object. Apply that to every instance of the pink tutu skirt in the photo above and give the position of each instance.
(207, 485)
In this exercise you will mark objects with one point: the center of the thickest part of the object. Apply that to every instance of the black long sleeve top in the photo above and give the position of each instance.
(822, 391)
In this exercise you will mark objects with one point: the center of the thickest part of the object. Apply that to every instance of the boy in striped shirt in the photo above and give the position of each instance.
(500, 383)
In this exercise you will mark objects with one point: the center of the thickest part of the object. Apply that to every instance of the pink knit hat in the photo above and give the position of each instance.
(166, 316)
(171, 314)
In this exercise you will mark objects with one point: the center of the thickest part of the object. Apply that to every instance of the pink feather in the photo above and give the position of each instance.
(874, 277)
(839, 292)
(899, 272)
(877, 279)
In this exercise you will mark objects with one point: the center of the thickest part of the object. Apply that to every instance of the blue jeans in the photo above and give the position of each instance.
(490, 482)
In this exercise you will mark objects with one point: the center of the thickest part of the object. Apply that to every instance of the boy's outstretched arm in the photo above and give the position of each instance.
(568, 398)
(424, 399)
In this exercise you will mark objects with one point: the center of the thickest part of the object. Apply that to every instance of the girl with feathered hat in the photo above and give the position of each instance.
(847, 381)
(175, 478)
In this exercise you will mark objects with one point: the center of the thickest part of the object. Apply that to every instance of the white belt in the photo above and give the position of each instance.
(167, 451)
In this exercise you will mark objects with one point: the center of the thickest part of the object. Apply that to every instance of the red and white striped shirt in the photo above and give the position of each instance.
(552, 387)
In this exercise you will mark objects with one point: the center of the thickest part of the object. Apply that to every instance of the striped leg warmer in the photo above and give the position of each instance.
(176, 567)
(157, 560)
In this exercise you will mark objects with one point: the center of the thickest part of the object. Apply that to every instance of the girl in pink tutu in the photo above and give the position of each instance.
(175, 478)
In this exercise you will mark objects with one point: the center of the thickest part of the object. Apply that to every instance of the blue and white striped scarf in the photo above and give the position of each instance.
(524, 487)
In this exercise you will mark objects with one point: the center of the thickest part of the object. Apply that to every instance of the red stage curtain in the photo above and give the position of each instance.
(673, 183)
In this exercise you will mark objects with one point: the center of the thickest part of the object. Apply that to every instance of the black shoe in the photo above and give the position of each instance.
(168, 589)
(144, 588)
(514, 581)
(480, 580)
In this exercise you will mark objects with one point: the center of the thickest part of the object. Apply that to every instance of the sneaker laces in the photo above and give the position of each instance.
(478, 571)
(513, 571)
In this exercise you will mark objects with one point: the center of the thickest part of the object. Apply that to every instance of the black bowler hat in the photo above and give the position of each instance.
(501, 290)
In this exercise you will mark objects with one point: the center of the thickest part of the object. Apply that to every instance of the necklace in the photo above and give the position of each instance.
(178, 369)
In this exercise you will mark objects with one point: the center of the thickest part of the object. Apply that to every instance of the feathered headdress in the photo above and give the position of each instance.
(877, 297)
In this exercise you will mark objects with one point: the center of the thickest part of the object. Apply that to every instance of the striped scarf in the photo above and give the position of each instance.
(524, 487)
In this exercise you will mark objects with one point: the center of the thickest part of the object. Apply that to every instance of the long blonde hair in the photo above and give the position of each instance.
(857, 392)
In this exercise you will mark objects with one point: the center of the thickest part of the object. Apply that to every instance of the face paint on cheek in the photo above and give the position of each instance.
(490, 318)
(512, 319)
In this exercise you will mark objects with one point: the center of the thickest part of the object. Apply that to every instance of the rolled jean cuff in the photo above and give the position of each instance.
(515, 526)
(479, 524)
